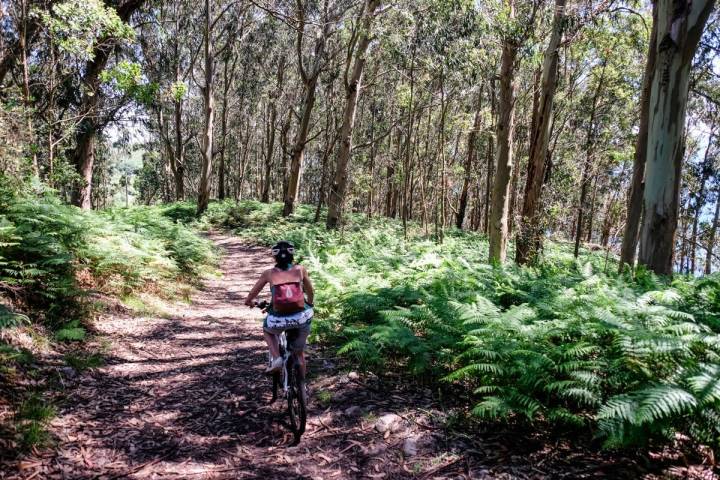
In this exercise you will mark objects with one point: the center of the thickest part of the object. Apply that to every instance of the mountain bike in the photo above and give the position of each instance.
(292, 380)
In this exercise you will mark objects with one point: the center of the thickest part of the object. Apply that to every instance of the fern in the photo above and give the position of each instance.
(631, 359)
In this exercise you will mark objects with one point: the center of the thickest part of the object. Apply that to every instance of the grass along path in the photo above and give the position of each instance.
(184, 396)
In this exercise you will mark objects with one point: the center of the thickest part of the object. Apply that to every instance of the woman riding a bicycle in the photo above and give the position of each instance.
(291, 307)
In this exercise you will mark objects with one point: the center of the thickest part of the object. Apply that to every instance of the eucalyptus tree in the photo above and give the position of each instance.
(89, 33)
(528, 236)
(679, 29)
(628, 249)
(354, 66)
(515, 31)
(219, 36)
(166, 38)
(323, 16)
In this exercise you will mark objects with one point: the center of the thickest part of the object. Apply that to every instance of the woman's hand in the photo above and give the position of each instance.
(250, 302)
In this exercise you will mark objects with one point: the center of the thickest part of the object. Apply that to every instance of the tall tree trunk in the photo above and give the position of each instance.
(589, 153)
(298, 150)
(500, 195)
(271, 128)
(706, 172)
(310, 80)
(177, 164)
(209, 114)
(680, 26)
(228, 73)
(338, 188)
(471, 153)
(83, 156)
(529, 235)
(84, 159)
(441, 200)
(23, 39)
(711, 237)
(628, 248)
(490, 160)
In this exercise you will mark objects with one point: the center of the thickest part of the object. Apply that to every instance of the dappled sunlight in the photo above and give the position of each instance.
(186, 397)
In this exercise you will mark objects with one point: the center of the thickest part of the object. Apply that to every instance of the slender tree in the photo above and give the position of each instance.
(529, 234)
(354, 67)
(498, 223)
(679, 28)
(628, 249)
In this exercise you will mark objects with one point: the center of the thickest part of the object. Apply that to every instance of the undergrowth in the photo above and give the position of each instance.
(566, 343)
(57, 263)
(53, 255)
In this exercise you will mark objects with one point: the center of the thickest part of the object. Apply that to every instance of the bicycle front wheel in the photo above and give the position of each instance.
(297, 403)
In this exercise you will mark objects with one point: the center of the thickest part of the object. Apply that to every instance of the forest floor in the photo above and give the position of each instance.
(183, 396)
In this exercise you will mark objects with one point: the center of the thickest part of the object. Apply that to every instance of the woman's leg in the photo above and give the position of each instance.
(301, 362)
(297, 339)
(272, 343)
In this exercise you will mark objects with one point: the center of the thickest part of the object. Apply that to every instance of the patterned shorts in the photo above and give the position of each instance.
(295, 326)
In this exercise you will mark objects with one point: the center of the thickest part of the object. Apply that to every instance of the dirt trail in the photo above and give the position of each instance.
(184, 397)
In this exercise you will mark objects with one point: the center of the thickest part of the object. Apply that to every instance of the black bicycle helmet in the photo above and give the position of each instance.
(283, 252)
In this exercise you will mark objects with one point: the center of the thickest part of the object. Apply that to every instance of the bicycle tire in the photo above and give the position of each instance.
(296, 403)
(301, 391)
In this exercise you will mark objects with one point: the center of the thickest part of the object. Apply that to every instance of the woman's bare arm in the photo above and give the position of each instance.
(257, 288)
(308, 287)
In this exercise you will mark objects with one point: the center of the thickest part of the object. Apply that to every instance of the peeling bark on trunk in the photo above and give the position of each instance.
(711, 237)
(209, 115)
(529, 235)
(338, 188)
(679, 28)
(628, 249)
(500, 195)
(471, 153)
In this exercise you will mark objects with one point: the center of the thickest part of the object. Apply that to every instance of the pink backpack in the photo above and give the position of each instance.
(288, 295)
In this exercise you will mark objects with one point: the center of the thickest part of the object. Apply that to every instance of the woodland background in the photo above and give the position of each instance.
(470, 181)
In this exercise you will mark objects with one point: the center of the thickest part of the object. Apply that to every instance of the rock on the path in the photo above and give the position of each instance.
(69, 372)
(410, 446)
(414, 443)
(353, 411)
(388, 422)
(353, 376)
(481, 474)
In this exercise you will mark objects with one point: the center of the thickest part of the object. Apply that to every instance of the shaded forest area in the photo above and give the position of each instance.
(515, 200)
(522, 120)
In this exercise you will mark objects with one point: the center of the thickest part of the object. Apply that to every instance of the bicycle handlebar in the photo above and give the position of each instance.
(262, 305)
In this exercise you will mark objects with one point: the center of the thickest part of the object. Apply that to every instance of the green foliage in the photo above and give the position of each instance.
(77, 25)
(32, 417)
(51, 254)
(126, 77)
(561, 343)
(83, 361)
(71, 332)
(8, 354)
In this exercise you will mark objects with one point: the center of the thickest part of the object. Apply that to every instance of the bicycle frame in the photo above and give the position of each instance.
(286, 354)
(292, 380)
(289, 360)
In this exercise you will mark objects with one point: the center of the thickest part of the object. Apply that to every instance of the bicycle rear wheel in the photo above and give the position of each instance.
(297, 401)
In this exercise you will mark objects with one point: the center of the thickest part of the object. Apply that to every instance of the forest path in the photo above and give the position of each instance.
(185, 397)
